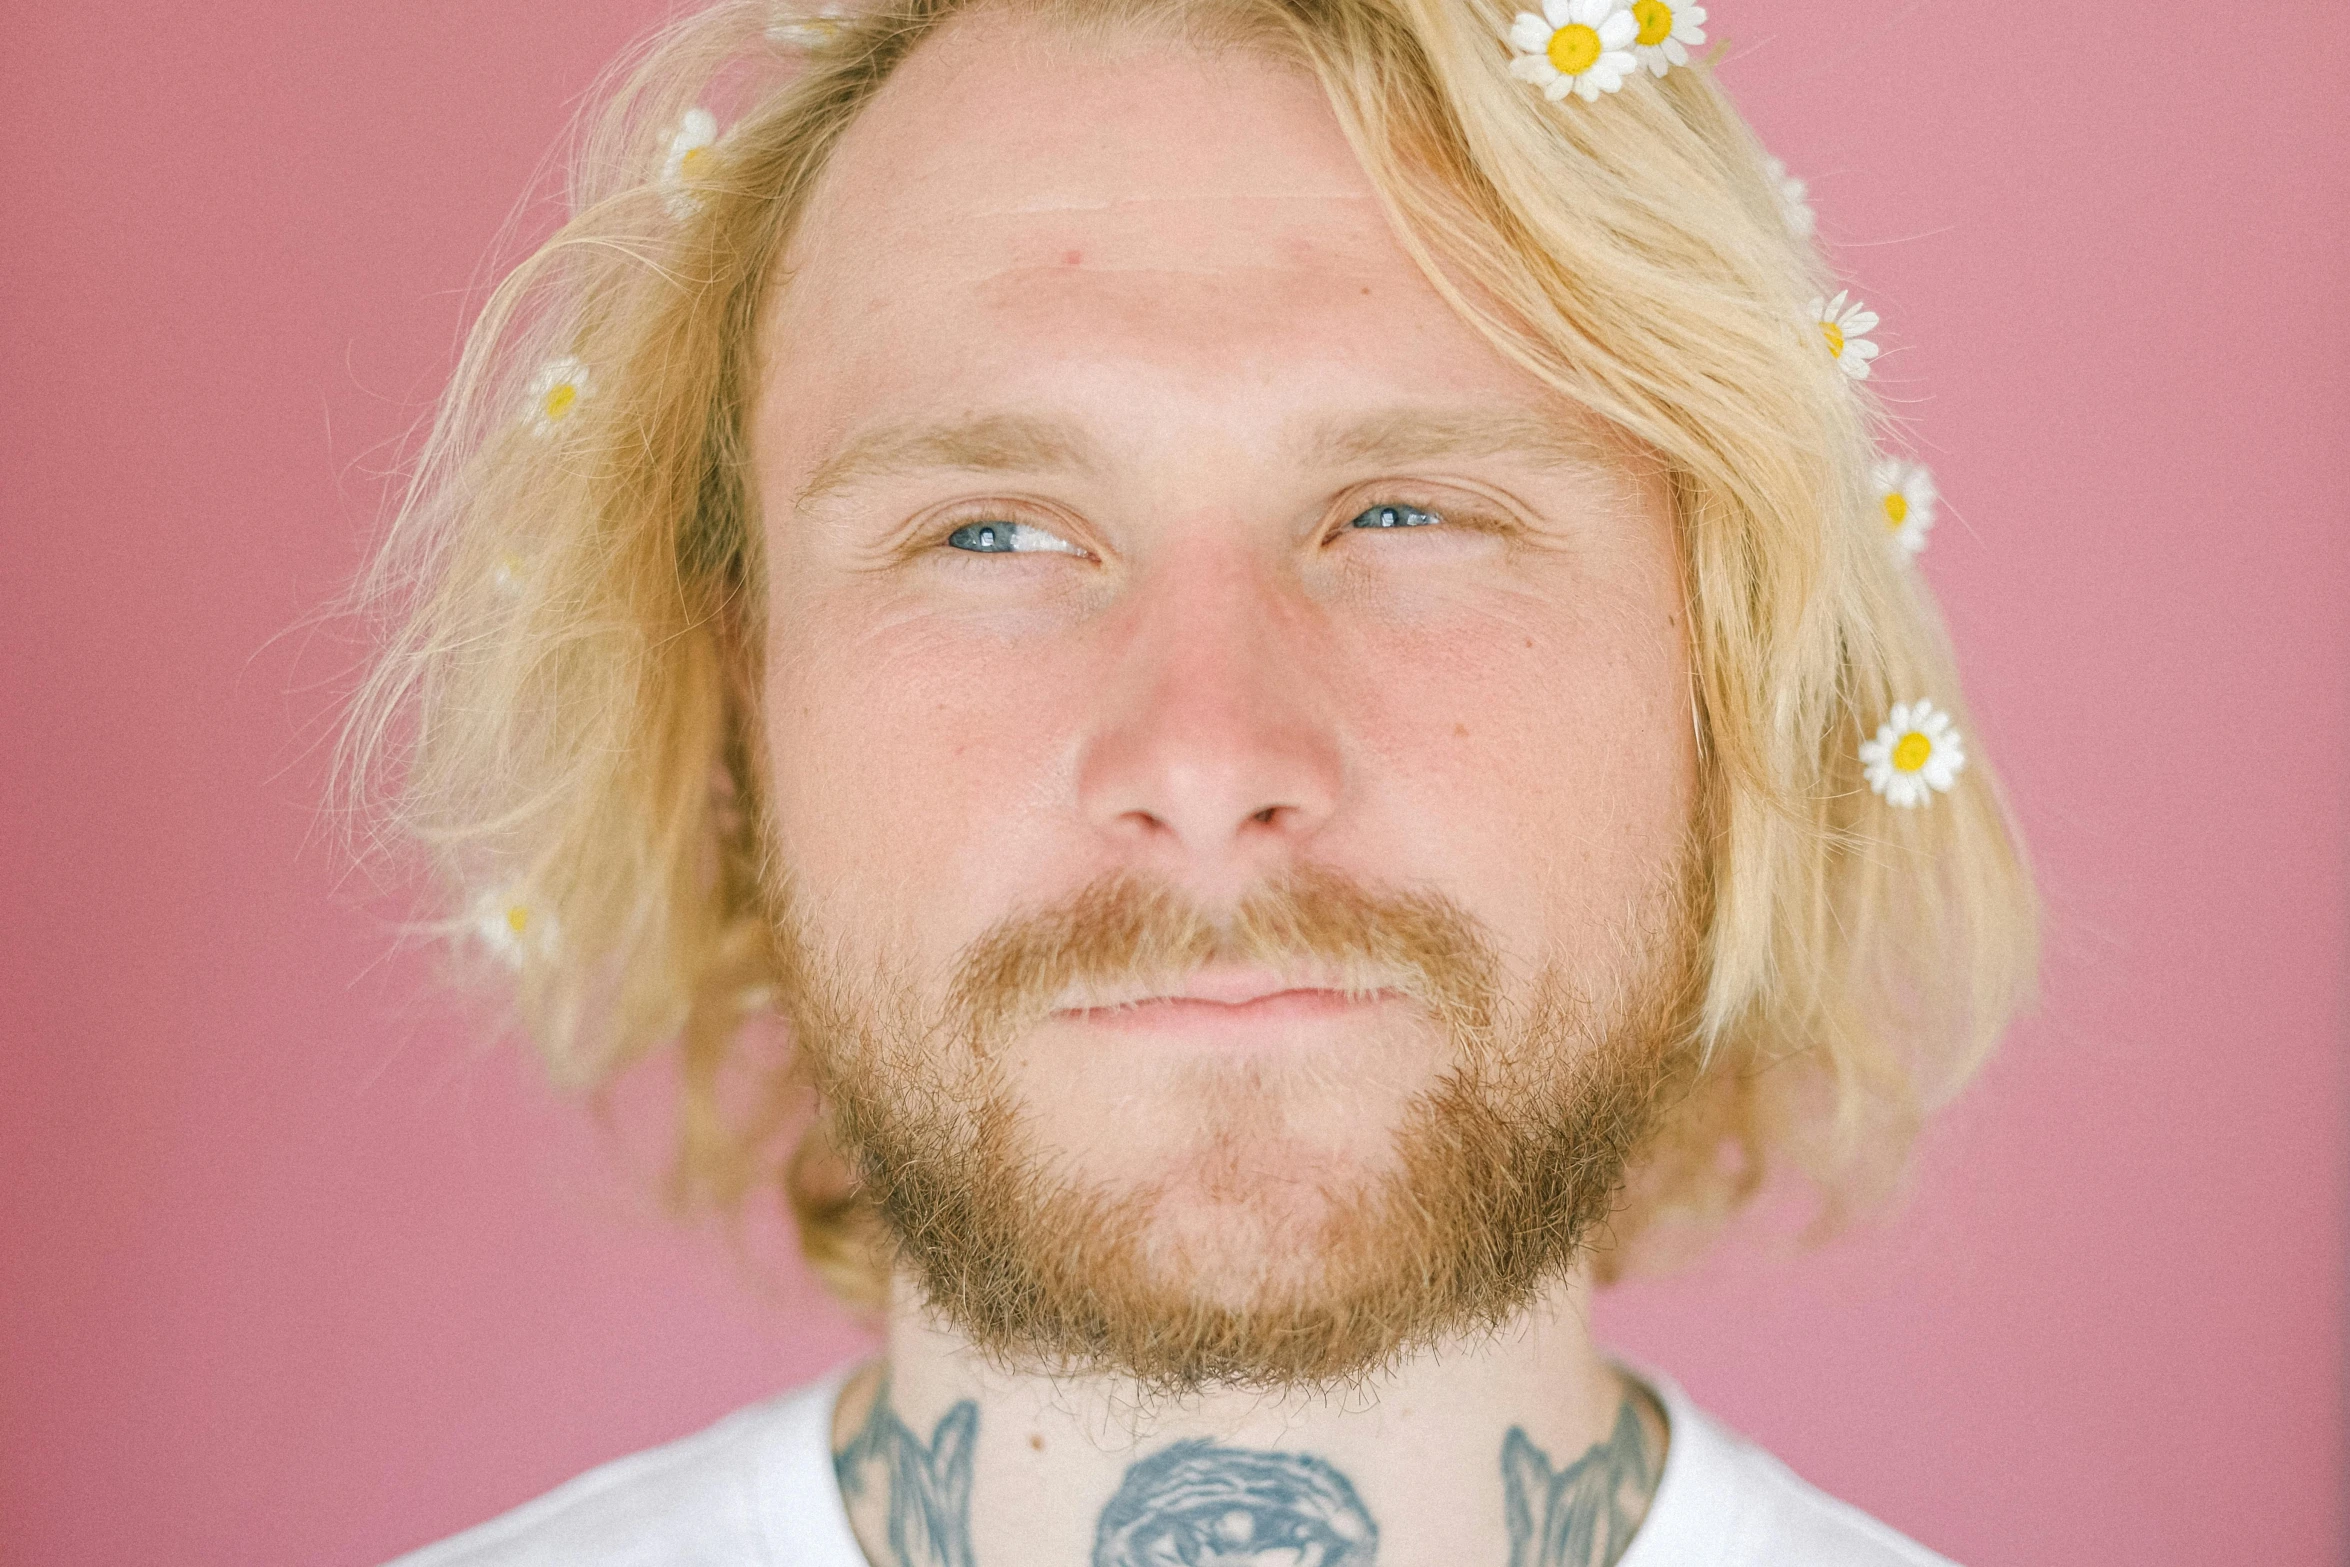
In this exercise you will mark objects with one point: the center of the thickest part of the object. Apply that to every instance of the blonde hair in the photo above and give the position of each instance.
(565, 714)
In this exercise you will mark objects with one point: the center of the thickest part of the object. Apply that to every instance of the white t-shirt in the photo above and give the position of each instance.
(757, 1490)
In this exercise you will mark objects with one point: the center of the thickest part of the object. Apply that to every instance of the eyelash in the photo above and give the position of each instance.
(1449, 518)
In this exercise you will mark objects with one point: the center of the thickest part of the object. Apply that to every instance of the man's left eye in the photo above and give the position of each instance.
(1008, 538)
(1396, 517)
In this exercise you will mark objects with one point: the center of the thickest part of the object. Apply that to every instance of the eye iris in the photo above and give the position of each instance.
(1396, 517)
(991, 538)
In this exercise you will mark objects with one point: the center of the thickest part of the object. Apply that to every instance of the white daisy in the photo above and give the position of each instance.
(1665, 33)
(1582, 47)
(510, 928)
(506, 572)
(689, 160)
(1794, 200)
(1905, 497)
(1843, 324)
(555, 393)
(1915, 756)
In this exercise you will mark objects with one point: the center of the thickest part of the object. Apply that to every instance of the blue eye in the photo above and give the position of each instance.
(1396, 517)
(1008, 538)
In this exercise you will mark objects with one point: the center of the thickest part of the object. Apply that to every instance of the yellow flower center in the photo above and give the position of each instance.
(1574, 49)
(1835, 336)
(1896, 509)
(560, 397)
(518, 917)
(1655, 19)
(1911, 753)
(689, 163)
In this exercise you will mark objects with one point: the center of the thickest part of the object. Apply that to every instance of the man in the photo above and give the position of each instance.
(1262, 625)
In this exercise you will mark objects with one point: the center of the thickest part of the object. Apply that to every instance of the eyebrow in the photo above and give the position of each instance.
(1022, 443)
(1404, 436)
(991, 443)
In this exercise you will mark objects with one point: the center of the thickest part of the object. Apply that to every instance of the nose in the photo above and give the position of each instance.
(1213, 756)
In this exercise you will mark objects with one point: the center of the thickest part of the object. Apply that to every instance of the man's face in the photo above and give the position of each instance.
(1217, 707)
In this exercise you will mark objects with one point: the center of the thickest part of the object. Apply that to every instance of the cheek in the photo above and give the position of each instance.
(913, 773)
(1543, 747)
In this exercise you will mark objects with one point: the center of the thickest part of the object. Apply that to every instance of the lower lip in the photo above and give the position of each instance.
(1172, 1015)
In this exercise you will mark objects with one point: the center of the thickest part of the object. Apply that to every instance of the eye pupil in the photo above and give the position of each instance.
(986, 538)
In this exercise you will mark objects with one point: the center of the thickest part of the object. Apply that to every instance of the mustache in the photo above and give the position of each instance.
(1126, 929)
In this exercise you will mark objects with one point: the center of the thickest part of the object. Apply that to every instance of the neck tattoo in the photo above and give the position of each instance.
(1207, 1505)
(1585, 1513)
(925, 1488)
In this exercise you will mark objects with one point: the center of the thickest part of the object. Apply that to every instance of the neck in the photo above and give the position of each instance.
(1526, 1448)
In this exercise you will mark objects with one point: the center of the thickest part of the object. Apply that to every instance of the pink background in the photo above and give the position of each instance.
(293, 1271)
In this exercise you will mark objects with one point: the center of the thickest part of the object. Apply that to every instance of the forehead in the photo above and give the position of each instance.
(1023, 215)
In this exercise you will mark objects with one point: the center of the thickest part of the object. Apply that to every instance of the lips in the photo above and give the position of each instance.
(1222, 999)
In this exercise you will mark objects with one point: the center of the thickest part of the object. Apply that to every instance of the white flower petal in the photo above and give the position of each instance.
(1559, 86)
(1618, 31)
(1529, 34)
(1534, 68)
(1560, 12)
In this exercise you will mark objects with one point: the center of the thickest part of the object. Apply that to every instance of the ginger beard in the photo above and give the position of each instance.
(1246, 1245)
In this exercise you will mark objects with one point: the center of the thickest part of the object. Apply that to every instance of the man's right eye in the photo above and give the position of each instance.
(1008, 538)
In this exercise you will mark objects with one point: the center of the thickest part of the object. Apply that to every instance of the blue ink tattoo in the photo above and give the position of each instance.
(1582, 1515)
(928, 1489)
(1200, 1505)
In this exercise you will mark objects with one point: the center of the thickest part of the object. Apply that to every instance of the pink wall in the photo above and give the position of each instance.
(291, 1272)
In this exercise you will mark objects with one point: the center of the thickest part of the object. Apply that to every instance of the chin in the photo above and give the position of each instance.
(1261, 1231)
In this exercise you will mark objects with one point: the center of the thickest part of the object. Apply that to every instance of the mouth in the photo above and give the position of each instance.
(1227, 1001)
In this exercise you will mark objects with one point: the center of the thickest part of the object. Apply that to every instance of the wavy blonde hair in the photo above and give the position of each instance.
(565, 714)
